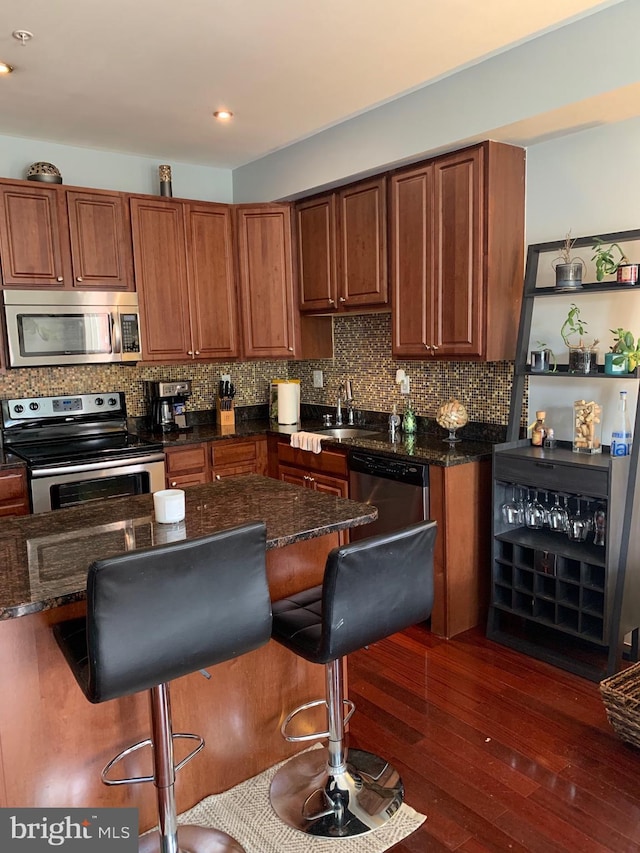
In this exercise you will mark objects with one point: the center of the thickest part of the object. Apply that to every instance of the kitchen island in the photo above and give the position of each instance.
(53, 743)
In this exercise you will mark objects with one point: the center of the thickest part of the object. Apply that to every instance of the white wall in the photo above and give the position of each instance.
(588, 183)
(576, 62)
(87, 167)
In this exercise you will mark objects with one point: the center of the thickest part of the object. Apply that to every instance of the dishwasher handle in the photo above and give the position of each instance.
(398, 470)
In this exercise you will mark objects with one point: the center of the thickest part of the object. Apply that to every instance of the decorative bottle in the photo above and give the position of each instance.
(621, 436)
(409, 419)
(538, 430)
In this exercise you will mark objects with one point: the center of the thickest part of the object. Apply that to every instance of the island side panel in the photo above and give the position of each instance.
(54, 743)
(460, 501)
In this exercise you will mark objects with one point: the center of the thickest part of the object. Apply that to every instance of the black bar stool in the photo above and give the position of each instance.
(371, 589)
(157, 614)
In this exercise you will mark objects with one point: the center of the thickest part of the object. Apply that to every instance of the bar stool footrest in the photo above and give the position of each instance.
(314, 735)
(140, 745)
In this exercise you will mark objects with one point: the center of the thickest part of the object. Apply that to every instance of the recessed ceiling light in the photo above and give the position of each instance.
(223, 115)
(5, 68)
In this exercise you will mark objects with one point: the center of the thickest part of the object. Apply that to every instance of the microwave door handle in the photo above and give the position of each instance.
(116, 333)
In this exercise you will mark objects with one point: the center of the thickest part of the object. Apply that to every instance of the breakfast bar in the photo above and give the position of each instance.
(53, 743)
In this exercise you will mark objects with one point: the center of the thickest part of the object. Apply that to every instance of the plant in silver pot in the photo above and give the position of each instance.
(542, 359)
(569, 268)
(583, 355)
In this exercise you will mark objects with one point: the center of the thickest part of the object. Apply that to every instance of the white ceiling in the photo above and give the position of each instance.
(144, 76)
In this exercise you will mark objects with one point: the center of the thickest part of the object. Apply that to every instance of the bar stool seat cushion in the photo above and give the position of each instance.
(167, 611)
(372, 588)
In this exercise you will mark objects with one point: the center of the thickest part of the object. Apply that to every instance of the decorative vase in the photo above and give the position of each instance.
(612, 369)
(541, 360)
(569, 276)
(165, 180)
(583, 359)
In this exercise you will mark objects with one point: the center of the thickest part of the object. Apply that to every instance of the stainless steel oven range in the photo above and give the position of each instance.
(77, 449)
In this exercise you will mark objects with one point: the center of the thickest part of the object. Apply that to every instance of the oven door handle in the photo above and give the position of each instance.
(125, 462)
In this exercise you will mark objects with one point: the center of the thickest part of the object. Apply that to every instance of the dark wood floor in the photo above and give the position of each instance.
(500, 751)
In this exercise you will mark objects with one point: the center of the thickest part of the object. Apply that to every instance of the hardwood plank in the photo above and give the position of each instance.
(501, 752)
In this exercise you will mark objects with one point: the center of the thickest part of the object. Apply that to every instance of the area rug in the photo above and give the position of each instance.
(245, 813)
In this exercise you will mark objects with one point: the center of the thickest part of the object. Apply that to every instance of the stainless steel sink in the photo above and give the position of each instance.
(345, 432)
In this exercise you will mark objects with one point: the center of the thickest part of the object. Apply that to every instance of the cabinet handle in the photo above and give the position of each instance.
(290, 349)
(427, 346)
(190, 352)
(173, 484)
(60, 278)
(197, 352)
(218, 477)
(544, 464)
(332, 301)
(342, 299)
(434, 347)
(79, 278)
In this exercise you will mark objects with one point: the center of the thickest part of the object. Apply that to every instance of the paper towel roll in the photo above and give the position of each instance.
(288, 402)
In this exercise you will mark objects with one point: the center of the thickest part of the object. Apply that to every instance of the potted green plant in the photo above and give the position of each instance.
(625, 353)
(605, 261)
(568, 268)
(583, 356)
(542, 357)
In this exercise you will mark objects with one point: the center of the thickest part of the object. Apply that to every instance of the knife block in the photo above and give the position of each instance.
(225, 418)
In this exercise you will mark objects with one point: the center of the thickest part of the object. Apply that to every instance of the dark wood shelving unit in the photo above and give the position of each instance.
(576, 612)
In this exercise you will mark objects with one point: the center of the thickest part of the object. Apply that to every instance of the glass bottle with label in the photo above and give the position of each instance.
(621, 436)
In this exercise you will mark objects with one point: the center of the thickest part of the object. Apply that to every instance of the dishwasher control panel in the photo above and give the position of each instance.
(411, 473)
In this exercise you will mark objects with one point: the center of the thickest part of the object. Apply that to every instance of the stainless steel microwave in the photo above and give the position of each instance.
(61, 327)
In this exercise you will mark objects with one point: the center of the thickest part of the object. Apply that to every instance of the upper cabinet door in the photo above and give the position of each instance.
(32, 221)
(316, 235)
(159, 254)
(212, 292)
(412, 260)
(265, 269)
(100, 233)
(362, 245)
(458, 288)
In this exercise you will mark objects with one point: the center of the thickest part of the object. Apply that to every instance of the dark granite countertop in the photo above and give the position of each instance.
(46, 556)
(423, 447)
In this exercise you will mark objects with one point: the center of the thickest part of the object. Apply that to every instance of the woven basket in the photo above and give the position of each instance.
(621, 696)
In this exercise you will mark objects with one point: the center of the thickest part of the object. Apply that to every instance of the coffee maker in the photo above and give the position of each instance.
(166, 404)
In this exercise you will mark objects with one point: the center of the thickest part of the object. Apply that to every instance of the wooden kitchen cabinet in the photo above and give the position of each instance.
(239, 456)
(183, 257)
(457, 254)
(205, 461)
(265, 279)
(187, 465)
(342, 249)
(14, 495)
(326, 471)
(54, 237)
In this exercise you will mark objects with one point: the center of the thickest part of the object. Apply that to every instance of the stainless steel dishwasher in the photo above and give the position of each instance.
(399, 489)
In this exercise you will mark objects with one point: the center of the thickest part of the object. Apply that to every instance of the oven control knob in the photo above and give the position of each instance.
(34, 406)
(99, 401)
(112, 401)
(18, 409)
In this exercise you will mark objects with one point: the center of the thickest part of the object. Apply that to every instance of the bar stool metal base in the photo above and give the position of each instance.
(192, 839)
(307, 797)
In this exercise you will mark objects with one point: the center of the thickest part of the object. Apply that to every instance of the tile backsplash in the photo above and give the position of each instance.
(362, 353)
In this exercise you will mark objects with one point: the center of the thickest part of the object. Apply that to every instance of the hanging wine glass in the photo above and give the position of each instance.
(510, 510)
(578, 525)
(558, 515)
(599, 525)
(534, 513)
